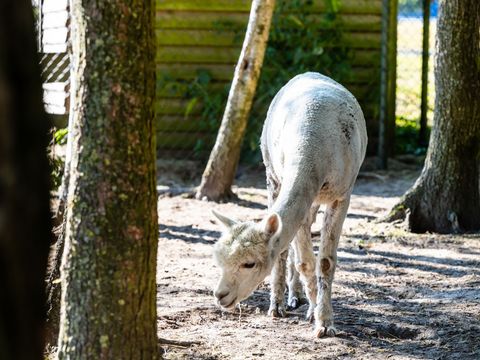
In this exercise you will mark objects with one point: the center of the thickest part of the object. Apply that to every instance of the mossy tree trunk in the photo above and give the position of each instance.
(446, 197)
(220, 171)
(108, 307)
(25, 226)
(53, 287)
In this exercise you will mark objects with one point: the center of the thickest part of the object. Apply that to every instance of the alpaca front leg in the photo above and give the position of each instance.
(326, 264)
(277, 287)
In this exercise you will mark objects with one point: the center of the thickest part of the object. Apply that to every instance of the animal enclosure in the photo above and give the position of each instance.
(396, 294)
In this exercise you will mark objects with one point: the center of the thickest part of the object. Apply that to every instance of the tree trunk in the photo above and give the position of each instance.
(220, 172)
(25, 227)
(108, 308)
(53, 285)
(54, 288)
(446, 197)
(423, 133)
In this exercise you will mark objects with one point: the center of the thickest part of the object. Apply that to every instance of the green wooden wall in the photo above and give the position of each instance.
(189, 38)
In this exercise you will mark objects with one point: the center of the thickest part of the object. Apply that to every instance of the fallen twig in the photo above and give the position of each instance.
(178, 343)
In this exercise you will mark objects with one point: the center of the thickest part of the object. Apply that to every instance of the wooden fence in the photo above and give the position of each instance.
(193, 35)
(189, 38)
(54, 35)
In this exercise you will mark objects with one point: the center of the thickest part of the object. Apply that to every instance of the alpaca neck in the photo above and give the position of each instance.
(292, 205)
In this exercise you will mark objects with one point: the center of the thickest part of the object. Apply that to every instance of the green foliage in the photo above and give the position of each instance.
(57, 163)
(60, 136)
(199, 90)
(406, 137)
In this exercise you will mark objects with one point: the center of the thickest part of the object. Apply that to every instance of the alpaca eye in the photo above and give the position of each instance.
(248, 265)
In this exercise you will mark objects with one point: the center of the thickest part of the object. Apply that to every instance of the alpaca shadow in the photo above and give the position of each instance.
(249, 204)
(260, 299)
(403, 332)
(188, 234)
(414, 325)
(454, 267)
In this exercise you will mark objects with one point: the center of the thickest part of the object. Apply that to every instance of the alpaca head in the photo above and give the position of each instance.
(245, 256)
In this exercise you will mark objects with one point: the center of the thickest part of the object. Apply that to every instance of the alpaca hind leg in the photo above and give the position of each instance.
(295, 292)
(326, 263)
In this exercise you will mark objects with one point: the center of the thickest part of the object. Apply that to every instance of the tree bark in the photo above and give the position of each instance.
(53, 284)
(446, 197)
(25, 226)
(54, 288)
(108, 307)
(220, 171)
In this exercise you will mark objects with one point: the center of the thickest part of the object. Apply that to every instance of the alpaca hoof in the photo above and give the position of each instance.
(310, 314)
(322, 331)
(277, 311)
(293, 303)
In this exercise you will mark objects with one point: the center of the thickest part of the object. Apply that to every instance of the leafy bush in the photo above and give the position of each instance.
(406, 137)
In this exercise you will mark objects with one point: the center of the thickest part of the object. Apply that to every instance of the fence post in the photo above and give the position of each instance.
(422, 138)
(388, 79)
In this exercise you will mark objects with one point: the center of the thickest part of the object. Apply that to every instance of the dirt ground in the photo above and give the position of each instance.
(396, 295)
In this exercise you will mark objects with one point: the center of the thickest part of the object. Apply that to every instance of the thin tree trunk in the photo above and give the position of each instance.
(446, 197)
(25, 226)
(220, 172)
(108, 268)
(423, 135)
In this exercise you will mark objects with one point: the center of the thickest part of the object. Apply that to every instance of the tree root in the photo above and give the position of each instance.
(213, 195)
(402, 210)
(398, 212)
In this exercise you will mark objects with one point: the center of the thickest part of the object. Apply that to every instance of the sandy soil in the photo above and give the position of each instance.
(396, 295)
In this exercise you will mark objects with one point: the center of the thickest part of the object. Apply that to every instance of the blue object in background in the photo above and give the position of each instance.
(416, 11)
(434, 9)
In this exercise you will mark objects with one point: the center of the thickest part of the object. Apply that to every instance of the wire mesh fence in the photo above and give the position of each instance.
(415, 18)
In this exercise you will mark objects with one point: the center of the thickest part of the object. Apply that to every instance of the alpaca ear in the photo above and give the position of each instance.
(228, 223)
(271, 225)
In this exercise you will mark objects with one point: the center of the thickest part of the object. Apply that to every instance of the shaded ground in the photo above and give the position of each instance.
(396, 295)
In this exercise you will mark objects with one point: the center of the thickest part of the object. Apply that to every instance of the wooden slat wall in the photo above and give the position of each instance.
(54, 59)
(193, 35)
(54, 26)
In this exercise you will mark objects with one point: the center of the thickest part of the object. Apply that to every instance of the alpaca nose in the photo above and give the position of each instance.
(221, 294)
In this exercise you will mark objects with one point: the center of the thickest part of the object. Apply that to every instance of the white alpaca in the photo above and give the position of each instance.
(313, 143)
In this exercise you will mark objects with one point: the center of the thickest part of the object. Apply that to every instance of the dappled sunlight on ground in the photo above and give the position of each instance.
(396, 295)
